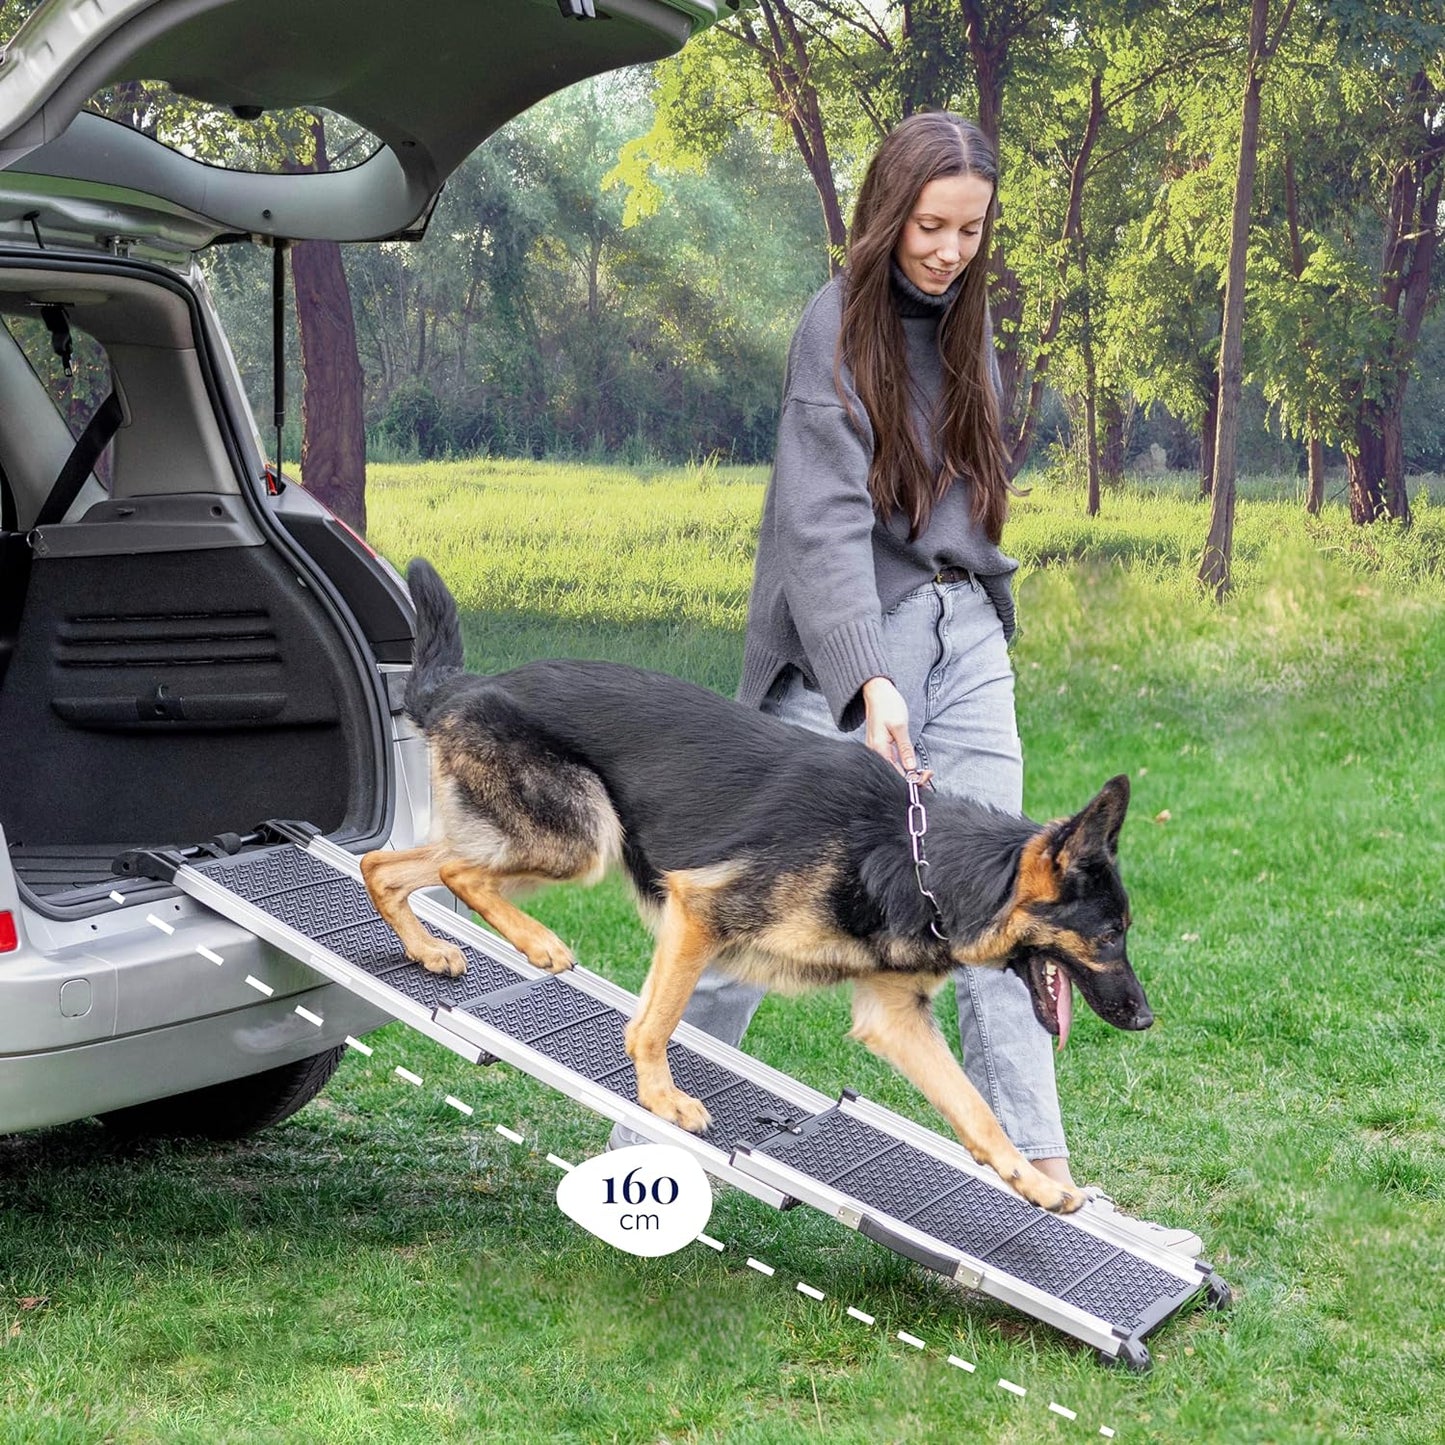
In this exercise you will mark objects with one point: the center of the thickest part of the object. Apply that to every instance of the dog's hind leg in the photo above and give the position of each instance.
(893, 1016)
(391, 878)
(480, 889)
(685, 947)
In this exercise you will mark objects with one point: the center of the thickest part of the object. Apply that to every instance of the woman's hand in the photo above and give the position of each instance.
(886, 727)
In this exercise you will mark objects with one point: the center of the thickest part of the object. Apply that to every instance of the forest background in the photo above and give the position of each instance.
(1217, 246)
(617, 272)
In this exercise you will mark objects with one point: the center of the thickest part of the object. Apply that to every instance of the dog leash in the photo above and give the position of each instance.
(917, 827)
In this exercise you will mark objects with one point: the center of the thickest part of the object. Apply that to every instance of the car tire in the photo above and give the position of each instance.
(230, 1110)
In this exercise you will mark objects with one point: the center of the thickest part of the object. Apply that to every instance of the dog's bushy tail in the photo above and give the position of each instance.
(438, 652)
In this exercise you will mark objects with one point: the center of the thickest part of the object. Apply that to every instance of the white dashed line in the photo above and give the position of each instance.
(211, 956)
(159, 923)
(310, 1017)
(259, 986)
(765, 1269)
(116, 896)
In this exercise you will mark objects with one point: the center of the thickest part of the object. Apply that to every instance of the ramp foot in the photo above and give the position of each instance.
(1217, 1294)
(1133, 1356)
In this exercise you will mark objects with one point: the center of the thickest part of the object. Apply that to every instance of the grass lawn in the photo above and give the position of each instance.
(381, 1269)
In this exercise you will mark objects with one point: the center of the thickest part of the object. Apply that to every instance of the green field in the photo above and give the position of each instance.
(381, 1269)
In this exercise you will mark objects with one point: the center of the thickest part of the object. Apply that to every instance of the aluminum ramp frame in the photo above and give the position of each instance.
(909, 1189)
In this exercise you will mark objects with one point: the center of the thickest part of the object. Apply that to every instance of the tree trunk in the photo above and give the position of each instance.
(1091, 438)
(1091, 376)
(1315, 495)
(1214, 567)
(988, 50)
(1377, 467)
(1207, 436)
(333, 428)
(785, 56)
(1367, 465)
(1111, 458)
(1411, 240)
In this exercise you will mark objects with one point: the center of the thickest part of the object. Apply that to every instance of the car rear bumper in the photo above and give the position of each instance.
(56, 1086)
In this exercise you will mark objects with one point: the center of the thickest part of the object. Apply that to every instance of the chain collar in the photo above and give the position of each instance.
(917, 827)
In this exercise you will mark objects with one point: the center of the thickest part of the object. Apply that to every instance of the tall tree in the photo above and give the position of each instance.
(333, 425)
(1214, 567)
(1413, 167)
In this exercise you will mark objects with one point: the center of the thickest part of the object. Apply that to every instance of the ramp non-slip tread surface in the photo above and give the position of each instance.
(585, 1035)
(335, 912)
(993, 1226)
(741, 1109)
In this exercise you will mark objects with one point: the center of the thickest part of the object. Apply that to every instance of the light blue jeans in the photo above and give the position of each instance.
(951, 664)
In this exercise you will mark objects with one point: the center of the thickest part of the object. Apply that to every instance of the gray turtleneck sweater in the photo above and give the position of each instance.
(828, 567)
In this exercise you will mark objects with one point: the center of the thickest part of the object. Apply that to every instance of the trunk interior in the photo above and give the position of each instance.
(167, 673)
(163, 698)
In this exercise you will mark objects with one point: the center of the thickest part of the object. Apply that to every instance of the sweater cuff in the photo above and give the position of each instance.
(845, 659)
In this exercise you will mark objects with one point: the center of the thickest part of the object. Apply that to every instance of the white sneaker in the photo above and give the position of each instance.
(622, 1137)
(1102, 1207)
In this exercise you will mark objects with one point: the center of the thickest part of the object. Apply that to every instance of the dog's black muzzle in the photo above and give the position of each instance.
(1115, 994)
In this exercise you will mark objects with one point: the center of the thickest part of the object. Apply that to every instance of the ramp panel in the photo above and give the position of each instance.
(901, 1185)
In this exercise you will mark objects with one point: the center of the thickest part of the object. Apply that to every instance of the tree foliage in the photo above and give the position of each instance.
(618, 270)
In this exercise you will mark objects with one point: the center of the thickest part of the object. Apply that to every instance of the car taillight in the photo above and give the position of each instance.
(9, 938)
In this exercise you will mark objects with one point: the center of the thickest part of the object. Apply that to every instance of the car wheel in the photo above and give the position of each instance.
(232, 1109)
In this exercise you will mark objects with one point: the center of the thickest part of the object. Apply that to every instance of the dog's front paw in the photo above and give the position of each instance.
(678, 1108)
(439, 957)
(1038, 1188)
(546, 951)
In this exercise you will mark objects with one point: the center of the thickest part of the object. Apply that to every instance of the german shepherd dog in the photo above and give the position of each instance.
(780, 855)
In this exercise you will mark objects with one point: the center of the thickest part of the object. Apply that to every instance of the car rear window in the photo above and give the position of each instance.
(267, 142)
(75, 394)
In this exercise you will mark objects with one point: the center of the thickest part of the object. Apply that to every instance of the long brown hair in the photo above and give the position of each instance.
(926, 146)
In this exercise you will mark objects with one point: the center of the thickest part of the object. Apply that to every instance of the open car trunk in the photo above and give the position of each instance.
(171, 668)
(166, 697)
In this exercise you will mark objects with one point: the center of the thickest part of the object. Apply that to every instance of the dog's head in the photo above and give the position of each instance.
(1070, 915)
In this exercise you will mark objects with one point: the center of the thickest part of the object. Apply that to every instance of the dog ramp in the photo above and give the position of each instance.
(909, 1189)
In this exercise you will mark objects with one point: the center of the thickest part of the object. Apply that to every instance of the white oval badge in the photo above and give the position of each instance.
(648, 1199)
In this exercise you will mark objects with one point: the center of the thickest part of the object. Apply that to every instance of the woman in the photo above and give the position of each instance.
(881, 602)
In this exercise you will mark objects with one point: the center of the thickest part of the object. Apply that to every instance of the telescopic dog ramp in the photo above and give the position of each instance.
(911, 1190)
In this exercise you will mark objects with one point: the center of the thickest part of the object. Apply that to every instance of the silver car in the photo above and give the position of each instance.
(189, 646)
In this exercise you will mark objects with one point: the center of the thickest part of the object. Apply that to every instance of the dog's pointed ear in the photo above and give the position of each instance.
(1096, 828)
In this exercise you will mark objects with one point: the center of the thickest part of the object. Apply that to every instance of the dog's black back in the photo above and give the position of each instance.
(722, 783)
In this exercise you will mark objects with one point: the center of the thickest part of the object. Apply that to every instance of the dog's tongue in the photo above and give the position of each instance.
(1063, 992)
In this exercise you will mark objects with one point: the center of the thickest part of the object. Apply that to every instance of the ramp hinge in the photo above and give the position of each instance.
(158, 863)
(288, 830)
